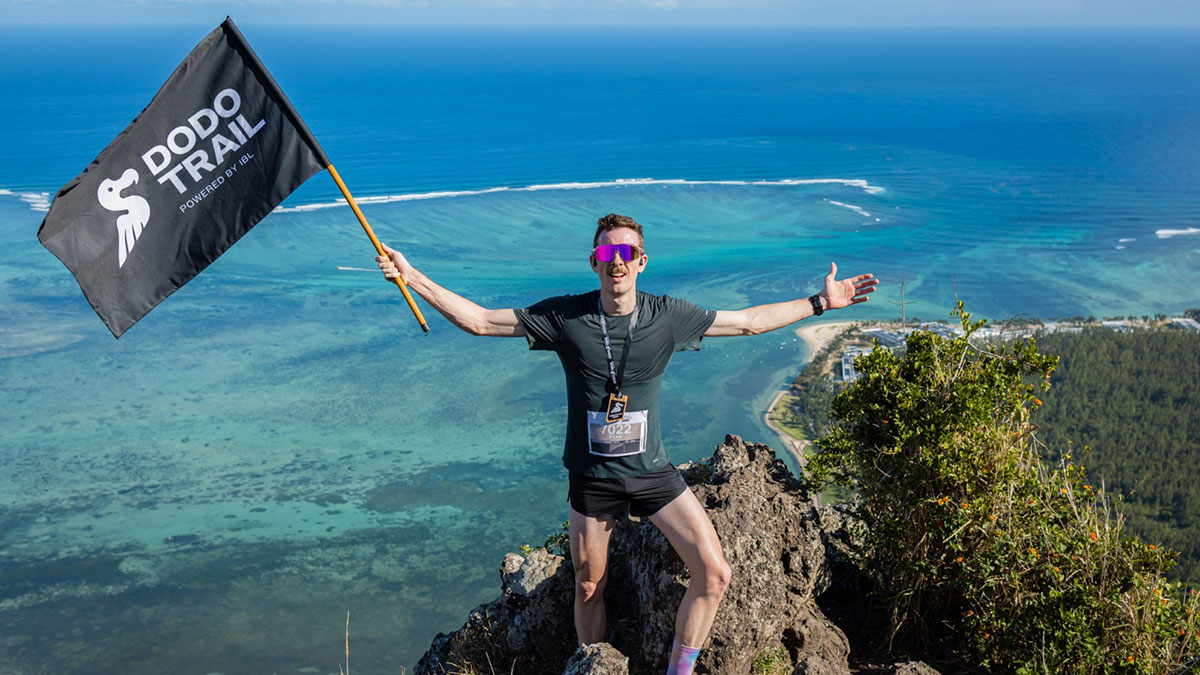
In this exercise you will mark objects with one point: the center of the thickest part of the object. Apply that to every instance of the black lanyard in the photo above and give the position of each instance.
(617, 374)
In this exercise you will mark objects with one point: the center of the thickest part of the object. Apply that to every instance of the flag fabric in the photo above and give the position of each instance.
(218, 147)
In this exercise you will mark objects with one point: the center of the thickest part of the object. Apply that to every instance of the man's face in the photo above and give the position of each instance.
(618, 276)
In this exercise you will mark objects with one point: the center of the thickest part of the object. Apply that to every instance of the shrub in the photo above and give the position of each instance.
(973, 544)
(557, 543)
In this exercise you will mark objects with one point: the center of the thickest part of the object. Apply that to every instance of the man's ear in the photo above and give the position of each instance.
(592, 261)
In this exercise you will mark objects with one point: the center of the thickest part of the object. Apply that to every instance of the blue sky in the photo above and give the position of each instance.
(615, 12)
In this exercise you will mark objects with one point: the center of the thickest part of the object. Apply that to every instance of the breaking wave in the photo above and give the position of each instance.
(1166, 234)
(620, 182)
(37, 201)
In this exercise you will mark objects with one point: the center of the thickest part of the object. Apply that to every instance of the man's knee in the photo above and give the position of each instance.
(717, 577)
(587, 589)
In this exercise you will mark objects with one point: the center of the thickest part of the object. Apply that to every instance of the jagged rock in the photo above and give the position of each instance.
(770, 532)
(819, 665)
(843, 533)
(912, 668)
(523, 576)
(524, 625)
(813, 635)
(598, 659)
(548, 586)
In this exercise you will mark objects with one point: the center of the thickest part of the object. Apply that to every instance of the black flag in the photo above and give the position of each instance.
(218, 147)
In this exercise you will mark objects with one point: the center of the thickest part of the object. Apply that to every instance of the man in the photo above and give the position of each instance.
(614, 345)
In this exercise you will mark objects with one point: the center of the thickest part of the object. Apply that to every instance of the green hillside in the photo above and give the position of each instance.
(1135, 399)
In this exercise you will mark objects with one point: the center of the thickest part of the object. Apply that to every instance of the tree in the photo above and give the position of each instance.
(972, 543)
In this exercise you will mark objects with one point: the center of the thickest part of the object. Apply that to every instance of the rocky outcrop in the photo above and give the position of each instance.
(527, 628)
(912, 668)
(771, 533)
(597, 659)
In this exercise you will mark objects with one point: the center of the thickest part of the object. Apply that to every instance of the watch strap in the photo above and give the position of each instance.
(815, 301)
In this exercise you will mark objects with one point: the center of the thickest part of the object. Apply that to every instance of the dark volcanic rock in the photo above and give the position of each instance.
(771, 535)
(819, 665)
(597, 659)
(526, 629)
(913, 668)
(812, 636)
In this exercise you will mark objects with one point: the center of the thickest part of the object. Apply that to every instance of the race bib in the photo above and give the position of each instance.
(624, 437)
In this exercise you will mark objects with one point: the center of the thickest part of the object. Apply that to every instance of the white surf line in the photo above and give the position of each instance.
(620, 182)
(1167, 234)
(857, 209)
(37, 201)
(40, 201)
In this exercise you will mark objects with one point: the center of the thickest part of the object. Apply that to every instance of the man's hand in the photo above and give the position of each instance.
(393, 265)
(847, 292)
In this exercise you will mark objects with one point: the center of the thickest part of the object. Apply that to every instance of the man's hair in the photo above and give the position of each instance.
(612, 222)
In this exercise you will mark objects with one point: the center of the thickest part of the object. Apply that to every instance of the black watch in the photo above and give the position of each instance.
(815, 301)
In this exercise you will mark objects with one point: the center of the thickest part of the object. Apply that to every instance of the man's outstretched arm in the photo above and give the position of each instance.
(764, 318)
(458, 310)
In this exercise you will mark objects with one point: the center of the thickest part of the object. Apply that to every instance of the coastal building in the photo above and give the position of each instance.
(986, 333)
(1119, 326)
(849, 374)
(946, 331)
(1060, 328)
(887, 338)
(1186, 324)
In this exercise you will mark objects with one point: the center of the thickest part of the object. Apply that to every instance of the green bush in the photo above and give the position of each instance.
(973, 544)
(557, 543)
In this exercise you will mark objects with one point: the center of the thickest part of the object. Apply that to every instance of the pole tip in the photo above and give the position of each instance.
(425, 327)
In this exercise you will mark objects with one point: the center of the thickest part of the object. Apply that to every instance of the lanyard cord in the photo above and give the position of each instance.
(616, 375)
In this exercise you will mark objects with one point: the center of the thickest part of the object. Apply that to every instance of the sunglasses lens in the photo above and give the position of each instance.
(606, 252)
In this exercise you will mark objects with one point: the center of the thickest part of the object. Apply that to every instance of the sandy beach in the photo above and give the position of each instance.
(792, 445)
(816, 338)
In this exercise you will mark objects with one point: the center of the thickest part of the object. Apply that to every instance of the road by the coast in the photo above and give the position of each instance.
(816, 337)
(795, 446)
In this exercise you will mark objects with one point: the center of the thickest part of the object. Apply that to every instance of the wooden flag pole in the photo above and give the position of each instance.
(378, 247)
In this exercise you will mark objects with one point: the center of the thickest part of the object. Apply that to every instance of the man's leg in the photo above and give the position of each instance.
(686, 525)
(589, 553)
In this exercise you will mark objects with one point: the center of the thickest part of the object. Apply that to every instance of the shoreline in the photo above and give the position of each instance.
(794, 446)
(817, 337)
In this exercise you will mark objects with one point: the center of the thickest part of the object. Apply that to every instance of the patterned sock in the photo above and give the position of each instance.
(683, 659)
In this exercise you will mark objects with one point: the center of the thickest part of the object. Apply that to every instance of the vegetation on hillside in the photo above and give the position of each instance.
(1134, 399)
(806, 408)
(973, 544)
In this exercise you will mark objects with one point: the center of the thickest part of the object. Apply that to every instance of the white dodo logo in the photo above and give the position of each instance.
(137, 211)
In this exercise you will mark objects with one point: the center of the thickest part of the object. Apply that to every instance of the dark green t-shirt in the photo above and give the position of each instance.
(570, 326)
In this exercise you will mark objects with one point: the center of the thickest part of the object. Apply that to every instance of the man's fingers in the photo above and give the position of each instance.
(832, 269)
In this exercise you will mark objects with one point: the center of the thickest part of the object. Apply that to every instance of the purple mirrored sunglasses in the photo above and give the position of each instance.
(628, 252)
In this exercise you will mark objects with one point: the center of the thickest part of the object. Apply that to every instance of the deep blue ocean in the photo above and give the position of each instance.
(277, 444)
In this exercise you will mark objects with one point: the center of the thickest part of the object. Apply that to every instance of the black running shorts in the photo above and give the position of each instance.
(619, 498)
